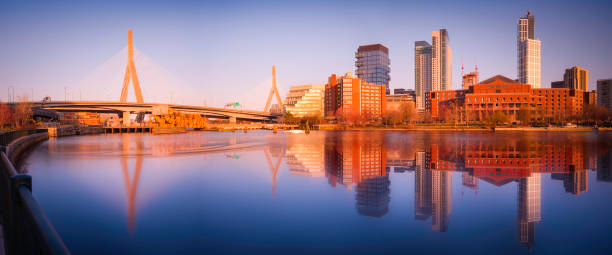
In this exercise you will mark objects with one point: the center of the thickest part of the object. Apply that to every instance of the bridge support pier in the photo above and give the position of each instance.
(126, 118)
(232, 119)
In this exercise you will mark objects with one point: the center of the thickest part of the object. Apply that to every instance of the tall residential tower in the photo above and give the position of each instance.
(528, 52)
(441, 61)
(372, 62)
(576, 78)
(422, 71)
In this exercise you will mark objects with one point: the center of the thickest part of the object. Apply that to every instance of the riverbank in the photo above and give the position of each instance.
(480, 129)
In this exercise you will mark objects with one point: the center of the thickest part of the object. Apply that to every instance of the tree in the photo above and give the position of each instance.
(445, 113)
(407, 112)
(288, 118)
(392, 116)
(524, 115)
(496, 118)
(23, 111)
(601, 115)
(6, 114)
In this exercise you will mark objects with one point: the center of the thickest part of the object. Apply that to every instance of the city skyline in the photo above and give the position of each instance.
(174, 45)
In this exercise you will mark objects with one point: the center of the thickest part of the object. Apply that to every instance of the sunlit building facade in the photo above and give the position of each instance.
(306, 100)
(347, 97)
(502, 94)
(422, 71)
(470, 79)
(529, 62)
(528, 49)
(373, 64)
(576, 78)
(441, 61)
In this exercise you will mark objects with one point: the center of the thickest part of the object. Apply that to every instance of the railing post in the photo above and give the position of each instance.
(18, 224)
(18, 181)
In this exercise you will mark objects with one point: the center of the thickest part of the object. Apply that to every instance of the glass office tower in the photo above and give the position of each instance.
(372, 62)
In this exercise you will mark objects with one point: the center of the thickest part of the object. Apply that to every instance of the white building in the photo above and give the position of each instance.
(529, 63)
(441, 61)
(528, 57)
(305, 100)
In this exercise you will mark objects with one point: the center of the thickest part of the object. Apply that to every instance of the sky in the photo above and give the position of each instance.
(213, 53)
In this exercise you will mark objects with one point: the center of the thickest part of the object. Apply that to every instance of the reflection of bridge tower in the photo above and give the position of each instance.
(130, 74)
(273, 92)
(274, 166)
(131, 184)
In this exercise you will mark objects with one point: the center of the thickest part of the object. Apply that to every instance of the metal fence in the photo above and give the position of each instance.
(7, 137)
(27, 230)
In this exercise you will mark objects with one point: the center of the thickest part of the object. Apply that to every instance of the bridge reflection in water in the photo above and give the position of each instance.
(364, 162)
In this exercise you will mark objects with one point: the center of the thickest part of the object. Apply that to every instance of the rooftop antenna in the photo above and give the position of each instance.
(461, 66)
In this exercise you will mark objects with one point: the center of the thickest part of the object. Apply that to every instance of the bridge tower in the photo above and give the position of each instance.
(273, 91)
(130, 73)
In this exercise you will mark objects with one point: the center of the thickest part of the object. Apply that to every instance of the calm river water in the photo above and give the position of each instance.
(369, 192)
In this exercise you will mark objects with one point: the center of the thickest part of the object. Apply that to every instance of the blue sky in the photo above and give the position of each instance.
(197, 52)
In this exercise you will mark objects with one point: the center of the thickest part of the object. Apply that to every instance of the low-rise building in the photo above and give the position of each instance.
(557, 84)
(306, 100)
(349, 97)
(502, 94)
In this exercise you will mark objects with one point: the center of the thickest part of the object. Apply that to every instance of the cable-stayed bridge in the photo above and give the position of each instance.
(125, 109)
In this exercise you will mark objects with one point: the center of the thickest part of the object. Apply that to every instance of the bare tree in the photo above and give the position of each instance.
(23, 111)
(407, 112)
(6, 114)
(524, 115)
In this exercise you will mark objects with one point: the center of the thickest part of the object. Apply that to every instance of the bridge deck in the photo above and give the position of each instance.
(117, 107)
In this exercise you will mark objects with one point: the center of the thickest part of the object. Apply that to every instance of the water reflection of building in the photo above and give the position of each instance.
(306, 159)
(604, 166)
(513, 160)
(575, 182)
(360, 161)
(422, 188)
(529, 207)
(433, 188)
(373, 196)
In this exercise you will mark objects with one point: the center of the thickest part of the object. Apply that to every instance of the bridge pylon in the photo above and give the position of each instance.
(273, 91)
(130, 74)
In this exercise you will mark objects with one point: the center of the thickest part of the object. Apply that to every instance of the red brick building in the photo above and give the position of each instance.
(349, 97)
(505, 95)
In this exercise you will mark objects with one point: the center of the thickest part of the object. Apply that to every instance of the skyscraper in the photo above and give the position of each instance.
(372, 62)
(526, 27)
(604, 93)
(422, 71)
(441, 61)
(528, 52)
(576, 78)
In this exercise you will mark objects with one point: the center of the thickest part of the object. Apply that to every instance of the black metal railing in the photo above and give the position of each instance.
(27, 230)
(7, 137)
